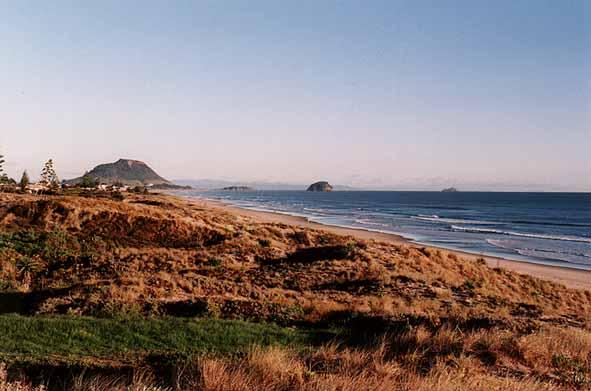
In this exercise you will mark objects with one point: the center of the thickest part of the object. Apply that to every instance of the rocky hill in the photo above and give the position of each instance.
(125, 171)
(320, 186)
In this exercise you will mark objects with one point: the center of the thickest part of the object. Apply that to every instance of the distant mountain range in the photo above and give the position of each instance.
(125, 171)
(212, 184)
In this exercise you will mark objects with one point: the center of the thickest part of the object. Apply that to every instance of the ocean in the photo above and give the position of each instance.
(545, 228)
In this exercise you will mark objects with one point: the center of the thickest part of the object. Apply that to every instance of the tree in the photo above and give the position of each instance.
(4, 180)
(88, 181)
(24, 181)
(48, 176)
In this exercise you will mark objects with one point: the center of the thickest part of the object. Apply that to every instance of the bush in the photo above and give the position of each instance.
(346, 251)
(264, 242)
(117, 196)
(214, 262)
(139, 190)
(469, 284)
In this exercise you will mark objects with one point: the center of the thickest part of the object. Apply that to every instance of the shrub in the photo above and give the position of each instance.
(139, 190)
(346, 251)
(27, 266)
(117, 196)
(575, 371)
(469, 284)
(214, 262)
(264, 242)
(59, 246)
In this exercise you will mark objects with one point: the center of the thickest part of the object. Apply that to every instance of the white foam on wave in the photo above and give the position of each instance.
(572, 256)
(512, 244)
(522, 234)
(561, 255)
(437, 219)
(369, 222)
(317, 212)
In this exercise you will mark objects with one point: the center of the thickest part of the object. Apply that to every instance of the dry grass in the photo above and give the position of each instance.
(445, 323)
(551, 358)
(419, 360)
(133, 256)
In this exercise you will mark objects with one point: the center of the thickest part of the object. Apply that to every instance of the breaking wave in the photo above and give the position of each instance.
(369, 222)
(437, 219)
(521, 234)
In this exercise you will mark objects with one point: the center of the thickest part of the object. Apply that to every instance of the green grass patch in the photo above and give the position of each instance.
(68, 338)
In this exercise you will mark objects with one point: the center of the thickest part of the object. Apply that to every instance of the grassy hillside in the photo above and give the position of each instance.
(359, 314)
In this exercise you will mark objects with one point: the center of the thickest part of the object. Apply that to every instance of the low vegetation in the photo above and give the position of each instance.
(127, 341)
(152, 291)
(417, 359)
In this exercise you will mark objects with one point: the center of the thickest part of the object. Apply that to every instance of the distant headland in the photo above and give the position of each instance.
(238, 188)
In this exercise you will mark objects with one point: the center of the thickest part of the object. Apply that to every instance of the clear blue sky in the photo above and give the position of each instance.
(402, 94)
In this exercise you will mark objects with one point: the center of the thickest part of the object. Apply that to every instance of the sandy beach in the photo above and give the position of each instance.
(572, 278)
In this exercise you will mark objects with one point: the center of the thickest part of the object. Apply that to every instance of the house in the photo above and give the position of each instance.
(36, 188)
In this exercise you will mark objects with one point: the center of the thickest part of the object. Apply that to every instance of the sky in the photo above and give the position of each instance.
(481, 95)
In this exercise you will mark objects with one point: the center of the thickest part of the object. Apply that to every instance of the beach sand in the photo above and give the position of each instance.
(572, 278)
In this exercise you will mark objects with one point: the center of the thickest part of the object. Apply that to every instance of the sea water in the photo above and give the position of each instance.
(546, 228)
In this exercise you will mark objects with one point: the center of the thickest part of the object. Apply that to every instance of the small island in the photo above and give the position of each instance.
(450, 190)
(320, 186)
(238, 188)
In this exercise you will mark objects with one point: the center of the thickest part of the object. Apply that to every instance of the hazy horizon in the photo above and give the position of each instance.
(380, 94)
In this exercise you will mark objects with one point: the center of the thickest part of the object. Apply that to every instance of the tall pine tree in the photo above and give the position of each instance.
(24, 181)
(48, 176)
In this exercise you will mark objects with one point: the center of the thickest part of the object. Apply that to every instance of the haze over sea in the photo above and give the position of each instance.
(545, 228)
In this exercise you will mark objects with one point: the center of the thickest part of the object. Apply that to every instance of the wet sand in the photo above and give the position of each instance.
(572, 278)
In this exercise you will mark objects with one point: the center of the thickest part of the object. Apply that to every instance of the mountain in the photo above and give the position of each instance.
(320, 186)
(125, 171)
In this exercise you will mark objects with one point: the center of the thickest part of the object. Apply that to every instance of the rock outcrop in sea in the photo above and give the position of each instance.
(320, 186)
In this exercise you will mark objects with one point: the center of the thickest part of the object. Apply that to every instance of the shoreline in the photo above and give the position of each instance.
(570, 277)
